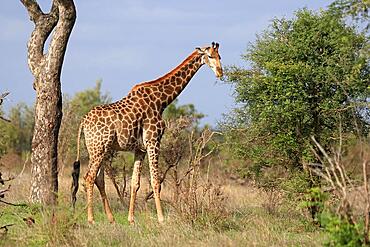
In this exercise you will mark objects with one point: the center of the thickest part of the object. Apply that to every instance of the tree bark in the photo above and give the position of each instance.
(46, 69)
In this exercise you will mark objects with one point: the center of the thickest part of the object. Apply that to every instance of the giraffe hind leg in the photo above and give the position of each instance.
(90, 177)
(100, 183)
(135, 183)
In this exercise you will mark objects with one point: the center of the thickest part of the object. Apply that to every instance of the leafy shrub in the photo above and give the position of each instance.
(340, 231)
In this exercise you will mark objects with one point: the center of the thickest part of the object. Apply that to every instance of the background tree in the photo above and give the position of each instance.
(3, 139)
(357, 9)
(174, 111)
(46, 69)
(20, 130)
(307, 76)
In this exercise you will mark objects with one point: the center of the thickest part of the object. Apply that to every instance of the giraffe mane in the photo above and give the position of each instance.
(169, 74)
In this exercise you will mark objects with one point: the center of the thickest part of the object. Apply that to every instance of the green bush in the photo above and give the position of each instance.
(341, 232)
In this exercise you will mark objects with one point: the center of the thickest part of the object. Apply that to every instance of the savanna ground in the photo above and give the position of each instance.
(228, 213)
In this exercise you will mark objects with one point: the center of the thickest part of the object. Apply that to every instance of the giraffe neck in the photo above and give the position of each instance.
(173, 83)
(176, 82)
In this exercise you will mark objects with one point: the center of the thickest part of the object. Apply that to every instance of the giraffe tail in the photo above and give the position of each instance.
(76, 169)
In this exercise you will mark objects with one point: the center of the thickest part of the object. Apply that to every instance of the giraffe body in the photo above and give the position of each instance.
(135, 123)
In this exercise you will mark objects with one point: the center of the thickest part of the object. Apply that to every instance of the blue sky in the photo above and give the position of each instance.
(128, 42)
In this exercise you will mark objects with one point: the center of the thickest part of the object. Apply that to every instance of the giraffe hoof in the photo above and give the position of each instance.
(131, 221)
(91, 222)
(160, 220)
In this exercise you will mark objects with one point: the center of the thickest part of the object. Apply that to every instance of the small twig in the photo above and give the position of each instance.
(151, 193)
(5, 228)
(2, 97)
(6, 120)
(333, 166)
(20, 174)
(2, 192)
(13, 204)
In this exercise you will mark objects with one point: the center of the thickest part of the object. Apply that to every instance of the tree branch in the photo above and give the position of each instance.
(33, 8)
(44, 24)
(63, 29)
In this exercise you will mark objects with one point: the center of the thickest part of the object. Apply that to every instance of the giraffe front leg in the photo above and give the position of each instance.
(135, 183)
(153, 154)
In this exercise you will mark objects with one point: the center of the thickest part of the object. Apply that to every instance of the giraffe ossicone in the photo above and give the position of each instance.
(135, 123)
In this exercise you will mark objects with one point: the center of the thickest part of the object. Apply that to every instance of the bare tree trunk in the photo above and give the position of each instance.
(46, 69)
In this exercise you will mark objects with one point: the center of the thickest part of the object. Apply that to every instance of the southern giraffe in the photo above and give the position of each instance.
(135, 123)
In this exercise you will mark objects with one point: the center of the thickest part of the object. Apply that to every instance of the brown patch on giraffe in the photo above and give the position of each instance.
(152, 105)
(141, 102)
(149, 114)
(168, 91)
(152, 127)
(147, 90)
(131, 116)
(170, 87)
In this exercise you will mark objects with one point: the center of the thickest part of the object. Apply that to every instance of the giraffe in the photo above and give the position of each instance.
(135, 123)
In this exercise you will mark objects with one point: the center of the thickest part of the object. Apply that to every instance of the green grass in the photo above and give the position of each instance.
(244, 226)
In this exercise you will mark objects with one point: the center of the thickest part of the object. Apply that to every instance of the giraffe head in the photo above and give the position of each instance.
(211, 57)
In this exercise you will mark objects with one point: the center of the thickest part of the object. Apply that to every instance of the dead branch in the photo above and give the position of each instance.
(337, 177)
(6, 120)
(5, 229)
(2, 180)
(13, 204)
(2, 192)
(2, 97)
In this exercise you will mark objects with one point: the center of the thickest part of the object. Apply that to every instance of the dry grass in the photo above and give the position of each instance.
(245, 221)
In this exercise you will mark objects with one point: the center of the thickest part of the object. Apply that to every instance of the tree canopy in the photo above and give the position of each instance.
(357, 9)
(305, 76)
